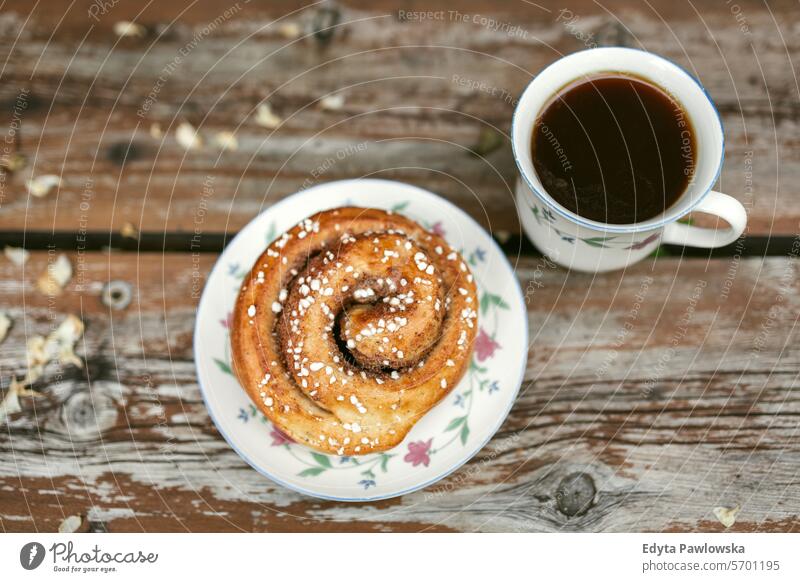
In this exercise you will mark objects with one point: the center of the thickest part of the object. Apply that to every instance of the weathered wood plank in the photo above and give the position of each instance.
(673, 387)
(411, 108)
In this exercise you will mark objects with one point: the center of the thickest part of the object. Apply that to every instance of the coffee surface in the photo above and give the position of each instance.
(614, 148)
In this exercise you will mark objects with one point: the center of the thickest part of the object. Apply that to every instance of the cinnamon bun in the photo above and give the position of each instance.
(351, 326)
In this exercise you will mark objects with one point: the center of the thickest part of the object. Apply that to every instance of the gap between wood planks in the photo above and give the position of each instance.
(185, 242)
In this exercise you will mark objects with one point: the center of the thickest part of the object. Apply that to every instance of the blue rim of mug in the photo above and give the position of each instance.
(601, 226)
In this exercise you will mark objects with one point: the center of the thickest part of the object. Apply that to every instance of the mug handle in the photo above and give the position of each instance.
(726, 207)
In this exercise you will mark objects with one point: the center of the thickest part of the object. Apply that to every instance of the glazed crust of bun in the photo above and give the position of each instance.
(351, 326)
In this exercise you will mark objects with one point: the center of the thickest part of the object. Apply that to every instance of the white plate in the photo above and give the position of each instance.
(449, 435)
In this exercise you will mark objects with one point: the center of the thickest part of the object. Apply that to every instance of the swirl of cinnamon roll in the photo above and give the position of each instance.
(351, 326)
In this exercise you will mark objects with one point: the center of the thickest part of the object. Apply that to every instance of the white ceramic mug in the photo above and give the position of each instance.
(588, 245)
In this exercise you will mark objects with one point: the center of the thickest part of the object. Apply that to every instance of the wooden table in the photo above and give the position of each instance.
(646, 403)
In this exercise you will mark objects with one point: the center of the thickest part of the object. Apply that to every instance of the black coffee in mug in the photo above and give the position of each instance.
(614, 148)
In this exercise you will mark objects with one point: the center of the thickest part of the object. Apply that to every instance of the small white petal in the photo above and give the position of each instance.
(125, 28)
(5, 325)
(187, 136)
(266, 118)
(226, 140)
(70, 524)
(332, 102)
(16, 255)
(55, 278)
(290, 30)
(726, 515)
(41, 186)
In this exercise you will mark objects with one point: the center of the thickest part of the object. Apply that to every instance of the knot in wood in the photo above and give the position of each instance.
(575, 494)
(122, 152)
(85, 414)
(325, 21)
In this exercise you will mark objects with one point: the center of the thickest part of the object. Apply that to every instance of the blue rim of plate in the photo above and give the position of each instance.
(292, 199)
(627, 228)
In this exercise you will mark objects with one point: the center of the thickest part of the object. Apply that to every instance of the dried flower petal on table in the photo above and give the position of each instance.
(332, 102)
(226, 140)
(55, 278)
(63, 341)
(16, 255)
(726, 515)
(10, 403)
(70, 524)
(40, 186)
(125, 28)
(37, 358)
(266, 118)
(129, 231)
(290, 30)
(13, 162)
(188, 137)
(60, 344)
(5, 325)
(502, 236)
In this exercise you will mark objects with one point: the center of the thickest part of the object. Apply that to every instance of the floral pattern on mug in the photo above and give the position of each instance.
(604, 242)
